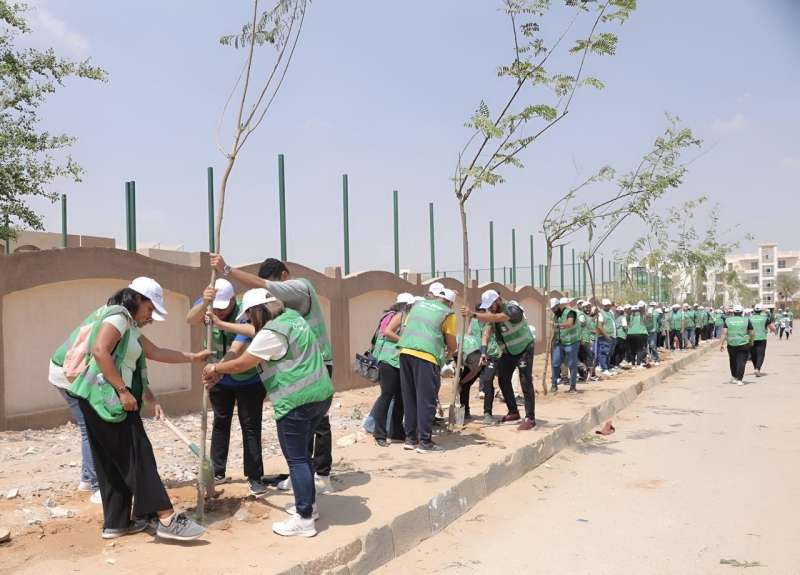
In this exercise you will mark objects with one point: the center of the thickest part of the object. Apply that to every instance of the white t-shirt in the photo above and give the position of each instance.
(268, 345)
(121, 323)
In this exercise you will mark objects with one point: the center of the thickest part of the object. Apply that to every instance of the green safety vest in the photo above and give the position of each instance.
(718, 319)
(91, 385)
(221, 342)
(759, 321)
(622, 331)
(516, 337)
(675, 319)
(316, 321)
(573, 334)
(476, 329)
(654, 320)
(636, 324)
(472, 342)
(423, 331)
(609, 325)
(588, 334)
(689, 315)
(737, 330)
(386, 350)
(300, 376)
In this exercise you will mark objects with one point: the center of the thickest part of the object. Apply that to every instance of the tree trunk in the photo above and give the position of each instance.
(455, 404)
(549, 346)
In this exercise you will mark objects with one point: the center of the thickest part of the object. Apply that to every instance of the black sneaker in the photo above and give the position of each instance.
(381, 443)
(221, 479)
(572, 390)
(135, 526)
(553, 388)
(410, 445)
(428, 447)
(256, 487)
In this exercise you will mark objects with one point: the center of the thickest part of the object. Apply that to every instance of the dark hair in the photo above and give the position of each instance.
(478, 306)
(263, 313)
(398, 306)
(129, 299)
(272, 269)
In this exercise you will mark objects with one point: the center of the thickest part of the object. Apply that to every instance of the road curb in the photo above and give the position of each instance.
(407, 530)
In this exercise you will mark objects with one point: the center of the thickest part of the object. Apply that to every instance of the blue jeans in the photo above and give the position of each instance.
(688, 337)
(570, 353)
(605, 345)
(717, 331)
(652, 344)
(87, 464)
(295, 429)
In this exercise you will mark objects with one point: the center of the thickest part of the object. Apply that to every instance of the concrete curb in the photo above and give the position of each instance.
(407, 530)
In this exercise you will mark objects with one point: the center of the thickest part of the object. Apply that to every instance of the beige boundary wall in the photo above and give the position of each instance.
(45, 294)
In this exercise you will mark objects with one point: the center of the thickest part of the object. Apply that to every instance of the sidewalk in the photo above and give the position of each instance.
(387, 500)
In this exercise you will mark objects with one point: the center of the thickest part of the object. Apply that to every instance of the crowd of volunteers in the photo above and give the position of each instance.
(272, 343)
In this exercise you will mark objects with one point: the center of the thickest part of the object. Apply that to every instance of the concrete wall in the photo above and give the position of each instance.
(45, 294)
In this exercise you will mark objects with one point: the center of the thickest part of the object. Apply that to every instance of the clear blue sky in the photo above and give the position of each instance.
(380, 90)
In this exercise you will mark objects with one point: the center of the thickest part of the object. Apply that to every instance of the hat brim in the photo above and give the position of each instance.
(159, 313)
(221, 303)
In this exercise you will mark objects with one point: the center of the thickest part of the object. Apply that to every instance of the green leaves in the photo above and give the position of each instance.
(272, 26)
(31, 159)
(602, 44)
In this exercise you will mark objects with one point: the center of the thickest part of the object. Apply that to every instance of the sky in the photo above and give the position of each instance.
(381, 91)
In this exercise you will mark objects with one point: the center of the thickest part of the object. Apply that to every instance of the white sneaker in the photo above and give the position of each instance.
(740, 382)
(85, 486)
(733, 380)
(322, 483)
(96, 498)
(285, 485)
(481, 395)
(295, 526)
(292, 510)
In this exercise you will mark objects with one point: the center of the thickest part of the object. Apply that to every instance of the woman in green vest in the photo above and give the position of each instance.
(637, 334)
(111, 386)
(761, 323)
(243, 391)
(388, 355)
(738, 332)
(621, 323)
(289, 359)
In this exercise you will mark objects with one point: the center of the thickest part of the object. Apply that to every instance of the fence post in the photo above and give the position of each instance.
(514, 258)
(63, 220)
(211, 240)
(396, 235)
(561, 265)
(346, 222)
(433, 243)
(491, 250)
(128, 223)
(282, 204)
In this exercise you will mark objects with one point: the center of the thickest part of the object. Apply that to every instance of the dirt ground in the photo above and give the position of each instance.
(372, 485)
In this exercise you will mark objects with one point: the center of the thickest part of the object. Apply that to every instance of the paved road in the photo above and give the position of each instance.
(698, 471)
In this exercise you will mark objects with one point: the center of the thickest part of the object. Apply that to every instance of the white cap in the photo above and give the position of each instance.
(675, 306)
(626, 306)
(405, 298)
(564, 300)
(606, 301)
(686, 305)
(150, 289)
(225, 293)
(585, 303)
(448, 294)
(488, 298)
(641, 304)
(553, 302)
(737, 309)
(418, 298)
(653, 303)
(758, 307)
(252, 298)
(435, 288)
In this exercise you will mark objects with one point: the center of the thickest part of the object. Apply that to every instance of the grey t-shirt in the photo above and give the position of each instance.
(293, 294)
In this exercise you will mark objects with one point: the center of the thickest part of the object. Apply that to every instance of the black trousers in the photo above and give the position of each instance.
(469, 374)
(126, 468)
(638, 348)
(757, 353)
(390, 390)
(621, 350)
(320, 443)
(487, 384)
(523, 363)
(419, 380)
(249, 401)
(673, 335)
(737, 357)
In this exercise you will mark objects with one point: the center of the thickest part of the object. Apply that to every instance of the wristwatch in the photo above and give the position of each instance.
(226, 270)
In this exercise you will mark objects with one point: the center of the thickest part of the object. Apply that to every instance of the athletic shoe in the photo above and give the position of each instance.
(758, 373)
(180, 528)
(481, 395)
(86, 486)
(295, 526)
(322, 483)
(285, 485)
(221, 479)
(554, 389)
(572, 390)
(381, 443)
(527, 424)
(96, 498)
(136, 526)
(428, 447)
(410, 445)
(740, 382)
(510, 417)
(488, 419)
(256, 487)
(292, 510)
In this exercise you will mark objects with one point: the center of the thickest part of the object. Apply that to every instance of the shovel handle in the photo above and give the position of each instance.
(181, 436)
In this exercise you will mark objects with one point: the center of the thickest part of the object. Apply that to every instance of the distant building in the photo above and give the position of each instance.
(760, 272)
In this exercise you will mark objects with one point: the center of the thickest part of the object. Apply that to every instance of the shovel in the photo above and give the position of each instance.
(206, 468)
